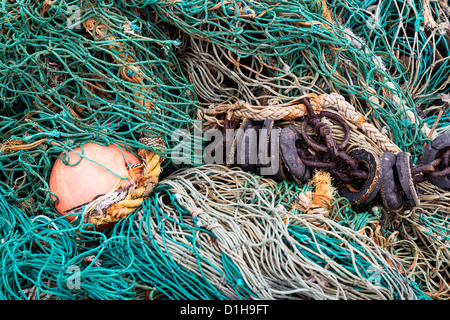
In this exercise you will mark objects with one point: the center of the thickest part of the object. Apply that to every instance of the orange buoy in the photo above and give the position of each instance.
(98, 171)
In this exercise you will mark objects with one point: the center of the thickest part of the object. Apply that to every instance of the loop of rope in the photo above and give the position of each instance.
(346, 110)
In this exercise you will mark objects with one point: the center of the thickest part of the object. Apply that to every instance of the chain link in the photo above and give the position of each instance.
(340, 165)
(330, 156)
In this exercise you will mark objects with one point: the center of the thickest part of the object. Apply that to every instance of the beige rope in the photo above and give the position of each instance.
(349, 112)
(317, 203)
(244, 110)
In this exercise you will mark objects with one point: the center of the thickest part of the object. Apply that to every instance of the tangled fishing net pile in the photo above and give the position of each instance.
(131, 74)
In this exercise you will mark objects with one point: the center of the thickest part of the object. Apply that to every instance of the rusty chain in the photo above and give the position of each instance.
(364, 169)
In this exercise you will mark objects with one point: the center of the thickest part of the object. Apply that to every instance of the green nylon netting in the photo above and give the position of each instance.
(62, 86)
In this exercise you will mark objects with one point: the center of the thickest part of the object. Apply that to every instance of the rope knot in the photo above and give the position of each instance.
(119, 203)
(213, 225)
(196, 211)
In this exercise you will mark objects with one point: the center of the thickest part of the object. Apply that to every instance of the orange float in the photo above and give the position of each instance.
(93, 170)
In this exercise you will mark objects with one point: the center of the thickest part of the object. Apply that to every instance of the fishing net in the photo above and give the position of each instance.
(119, 72)
(236, 240)
(62, 88)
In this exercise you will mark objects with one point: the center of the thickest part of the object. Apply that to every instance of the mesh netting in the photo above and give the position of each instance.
(73, 72)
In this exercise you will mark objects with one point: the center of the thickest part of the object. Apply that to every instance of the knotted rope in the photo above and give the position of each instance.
(119, 203)
(346, 110)
(244, 110)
